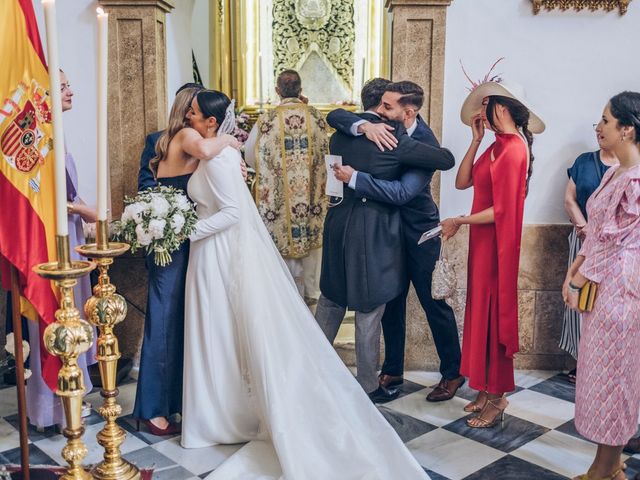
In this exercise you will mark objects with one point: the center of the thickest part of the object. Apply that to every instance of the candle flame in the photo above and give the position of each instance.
(100, 11)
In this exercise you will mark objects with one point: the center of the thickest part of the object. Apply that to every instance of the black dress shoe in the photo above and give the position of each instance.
(384, 395)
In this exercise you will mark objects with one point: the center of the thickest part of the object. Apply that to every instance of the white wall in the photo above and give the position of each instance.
(179, 69)
(200, 39)
(570, 64)
(77, 43)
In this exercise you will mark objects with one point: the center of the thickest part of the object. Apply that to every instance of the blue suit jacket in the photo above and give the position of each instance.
(145, 175)
(412, 192)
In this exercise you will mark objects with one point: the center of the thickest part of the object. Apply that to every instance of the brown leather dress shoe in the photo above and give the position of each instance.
(446, 389)
(388, 381)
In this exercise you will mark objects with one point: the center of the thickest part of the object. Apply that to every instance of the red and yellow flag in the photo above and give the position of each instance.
(27, 196)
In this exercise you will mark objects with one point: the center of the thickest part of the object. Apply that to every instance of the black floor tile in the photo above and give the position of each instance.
(408, 387)
(32, 432)
(36, 456)
(515, 433)
(512, 468)
(405, 426)
(557, 387)
(434, 475)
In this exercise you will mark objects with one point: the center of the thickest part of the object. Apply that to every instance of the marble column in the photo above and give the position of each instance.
(137, 106)
(137, 86)
(417, 54)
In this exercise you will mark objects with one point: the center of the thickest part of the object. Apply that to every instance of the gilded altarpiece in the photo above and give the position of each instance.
(335, 45)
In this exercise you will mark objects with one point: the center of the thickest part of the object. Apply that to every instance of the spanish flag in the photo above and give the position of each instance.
(27, 196)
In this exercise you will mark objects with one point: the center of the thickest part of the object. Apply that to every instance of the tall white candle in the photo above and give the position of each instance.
(260, 79)
(362, 73)
(60, 177)
(103, 38)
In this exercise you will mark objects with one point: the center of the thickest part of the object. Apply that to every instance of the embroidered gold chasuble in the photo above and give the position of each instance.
(291, 176)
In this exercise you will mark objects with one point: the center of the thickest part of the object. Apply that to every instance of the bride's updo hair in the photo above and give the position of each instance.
(213, 104)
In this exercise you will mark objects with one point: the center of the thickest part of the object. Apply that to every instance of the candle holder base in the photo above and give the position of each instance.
(67, 338)
(105, 309)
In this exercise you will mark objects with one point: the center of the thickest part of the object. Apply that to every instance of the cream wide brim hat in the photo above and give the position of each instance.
(473, 103)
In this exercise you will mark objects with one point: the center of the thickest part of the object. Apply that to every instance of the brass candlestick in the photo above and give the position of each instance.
(67, 338)
(105, 309)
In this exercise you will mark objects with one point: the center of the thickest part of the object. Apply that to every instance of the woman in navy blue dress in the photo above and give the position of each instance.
(159, 390)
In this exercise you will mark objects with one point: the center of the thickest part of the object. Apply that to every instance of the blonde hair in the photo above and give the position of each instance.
(177, 121)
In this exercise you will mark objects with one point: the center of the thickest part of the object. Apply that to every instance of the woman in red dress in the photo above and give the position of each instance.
(500, 180)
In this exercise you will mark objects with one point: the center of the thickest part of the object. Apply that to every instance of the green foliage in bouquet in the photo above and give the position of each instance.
(157, 220)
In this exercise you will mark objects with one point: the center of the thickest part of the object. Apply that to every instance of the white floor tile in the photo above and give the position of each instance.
(8, 402)
(196, 460)
(529, 378)
(539, 408)
(53, 446)
(428, 379)
(438, 414)
(9, 436)
(558, 452)
(452, 455)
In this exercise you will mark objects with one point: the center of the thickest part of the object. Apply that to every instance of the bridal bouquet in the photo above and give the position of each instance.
(158, 220)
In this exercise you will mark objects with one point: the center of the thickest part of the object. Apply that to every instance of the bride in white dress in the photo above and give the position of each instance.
(257, 367)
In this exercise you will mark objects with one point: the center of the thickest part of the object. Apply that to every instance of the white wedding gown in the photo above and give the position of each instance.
(257, 367)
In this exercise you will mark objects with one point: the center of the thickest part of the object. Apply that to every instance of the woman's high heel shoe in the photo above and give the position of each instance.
(587, 476)
(476, 406)
(171, 429)
(481, 422)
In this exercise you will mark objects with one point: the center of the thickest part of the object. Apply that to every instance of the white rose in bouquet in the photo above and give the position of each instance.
(143, 235)
(183, 203)
(159, 206)
(156, 228)
(134, 212)
(177, 222)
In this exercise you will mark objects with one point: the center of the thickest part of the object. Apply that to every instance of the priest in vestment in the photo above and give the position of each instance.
(286, 147)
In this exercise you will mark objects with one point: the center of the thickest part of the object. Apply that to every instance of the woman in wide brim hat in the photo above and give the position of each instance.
(500, 180)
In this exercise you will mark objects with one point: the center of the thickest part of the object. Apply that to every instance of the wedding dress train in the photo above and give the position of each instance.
(257, 366)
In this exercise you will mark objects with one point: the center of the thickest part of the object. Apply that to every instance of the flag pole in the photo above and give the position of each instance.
(19, 356)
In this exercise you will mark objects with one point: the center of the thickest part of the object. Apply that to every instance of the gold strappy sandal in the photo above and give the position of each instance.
(587, 476)
(475, 407)
(479, 422)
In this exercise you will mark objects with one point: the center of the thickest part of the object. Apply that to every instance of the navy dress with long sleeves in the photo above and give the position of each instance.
(159, 391)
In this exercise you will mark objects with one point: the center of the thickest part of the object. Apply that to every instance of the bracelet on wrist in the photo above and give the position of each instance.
(455, 222)
(573, 288)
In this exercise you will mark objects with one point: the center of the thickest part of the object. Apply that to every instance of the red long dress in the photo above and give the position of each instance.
(491, 316)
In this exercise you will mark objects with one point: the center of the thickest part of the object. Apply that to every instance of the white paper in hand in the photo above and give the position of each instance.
(334, 186)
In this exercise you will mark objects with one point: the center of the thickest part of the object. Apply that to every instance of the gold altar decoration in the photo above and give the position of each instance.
(327, 28)
(592, 5)
(105, 309)
(235, 38)
(67, 338)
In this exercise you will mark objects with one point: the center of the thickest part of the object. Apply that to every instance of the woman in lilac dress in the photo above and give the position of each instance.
(608, 382)
(43, 406)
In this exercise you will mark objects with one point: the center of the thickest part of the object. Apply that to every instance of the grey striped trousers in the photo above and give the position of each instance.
(570, 337)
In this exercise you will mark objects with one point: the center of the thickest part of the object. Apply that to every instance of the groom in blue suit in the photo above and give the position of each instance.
(419, 213)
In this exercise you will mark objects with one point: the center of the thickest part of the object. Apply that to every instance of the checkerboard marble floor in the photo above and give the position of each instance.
(538, 440)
